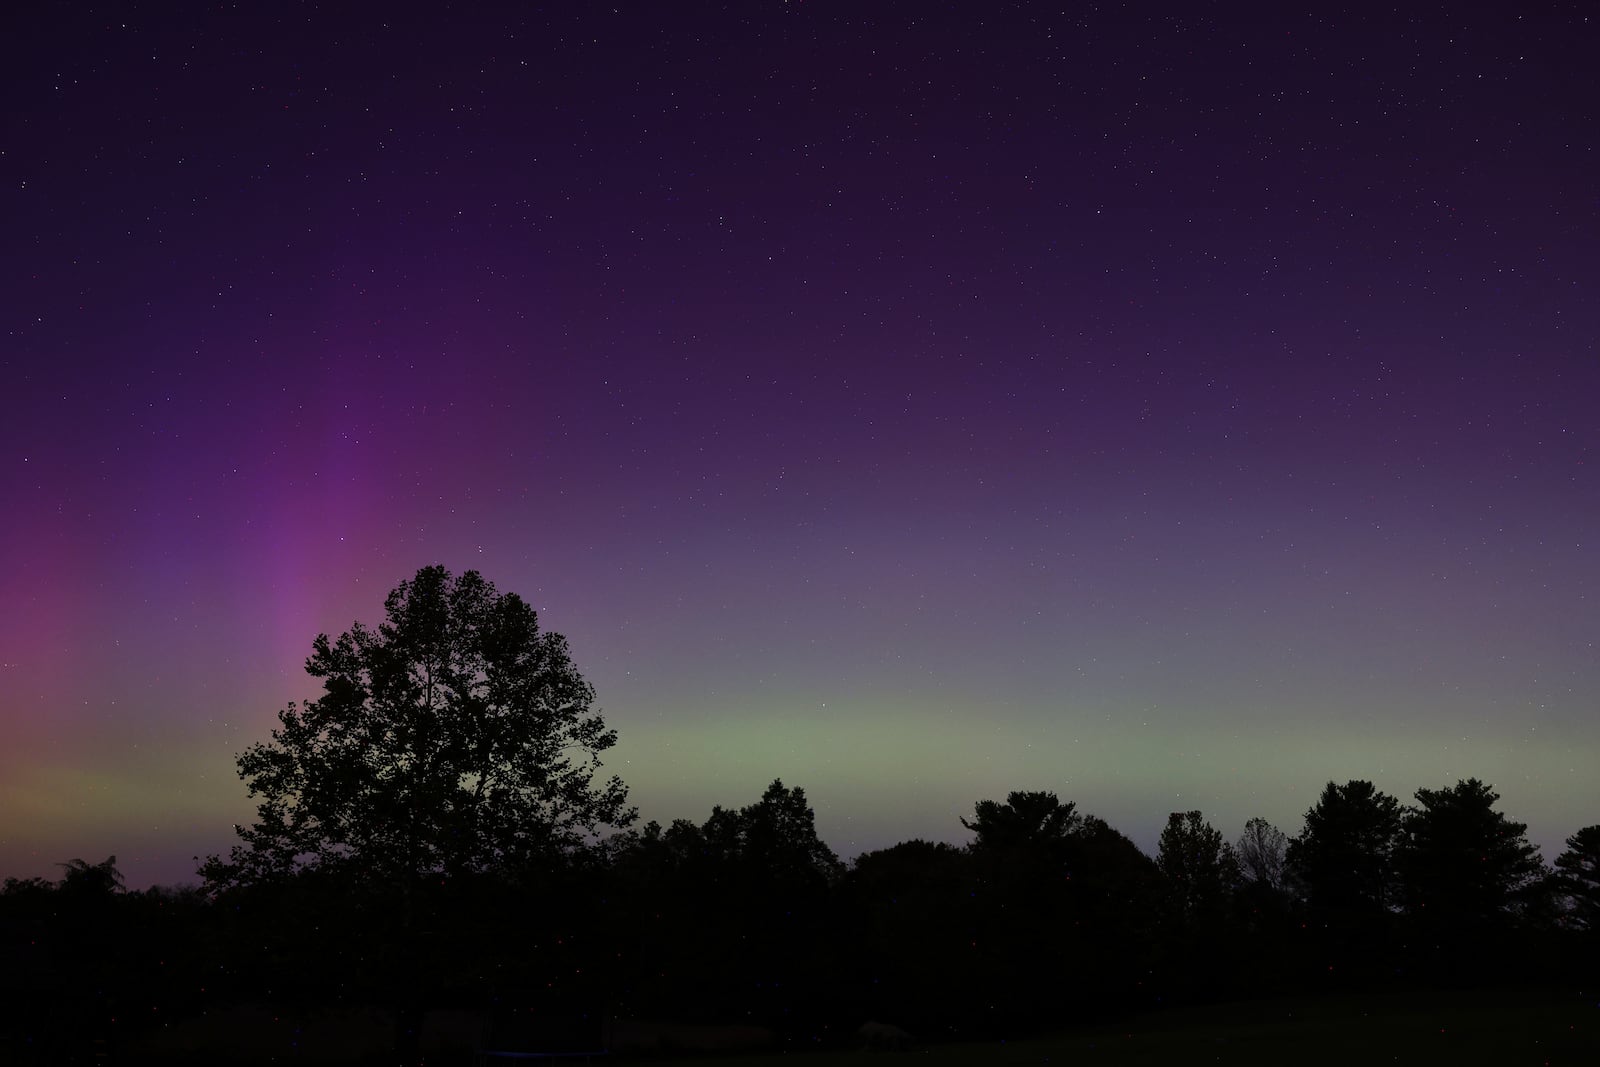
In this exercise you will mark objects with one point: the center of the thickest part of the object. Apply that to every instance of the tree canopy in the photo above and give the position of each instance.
(1026, 820)
(86, 879)
(1345, 855)
(773, 840)
(1262, 853)
(1197, 863)
(1578, 877)
(455, 737)
(1462, 860)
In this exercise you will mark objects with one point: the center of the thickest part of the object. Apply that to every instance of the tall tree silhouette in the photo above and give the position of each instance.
(1344, 856)
(776, 836)
(730, 919)
(456, 737)
(81, 879)
(1026, 821)
(455, 740)
(1262, 851)
(1578, 878)
(1464, 863)
(1059, 912)
(1198, 865)
(909, 908)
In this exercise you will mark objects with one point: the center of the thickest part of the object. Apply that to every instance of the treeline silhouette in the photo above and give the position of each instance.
(1049, 916)
(436, 869)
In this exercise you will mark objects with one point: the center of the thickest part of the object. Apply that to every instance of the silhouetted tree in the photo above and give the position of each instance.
(456, 737)
(1026, 821)
(454, 743)
(91, 880)
(1262, 852)
(1199, 867)
(1063, 911)
(910, 913)
(1463, 862)
(1021, 851)
(1344, 857)
(777, 835)
(730, 920)
(1578, 878)
(1263, 911)
(1111, 878)
(911, 867)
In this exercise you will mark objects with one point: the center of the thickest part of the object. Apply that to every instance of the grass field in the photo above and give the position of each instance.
(1558, 1027)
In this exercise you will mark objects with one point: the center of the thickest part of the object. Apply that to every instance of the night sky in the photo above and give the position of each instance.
(915, 402)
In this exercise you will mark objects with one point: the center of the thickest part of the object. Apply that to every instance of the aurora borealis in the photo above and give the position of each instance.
(913, 402)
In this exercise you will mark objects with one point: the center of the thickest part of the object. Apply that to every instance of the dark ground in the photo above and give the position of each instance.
(1493, 1029)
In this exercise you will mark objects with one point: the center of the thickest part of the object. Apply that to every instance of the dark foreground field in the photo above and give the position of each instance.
(1494, 1029)
(1558, 1027)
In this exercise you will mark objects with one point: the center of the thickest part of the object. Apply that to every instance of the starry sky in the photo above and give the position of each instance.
(1176, 408)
